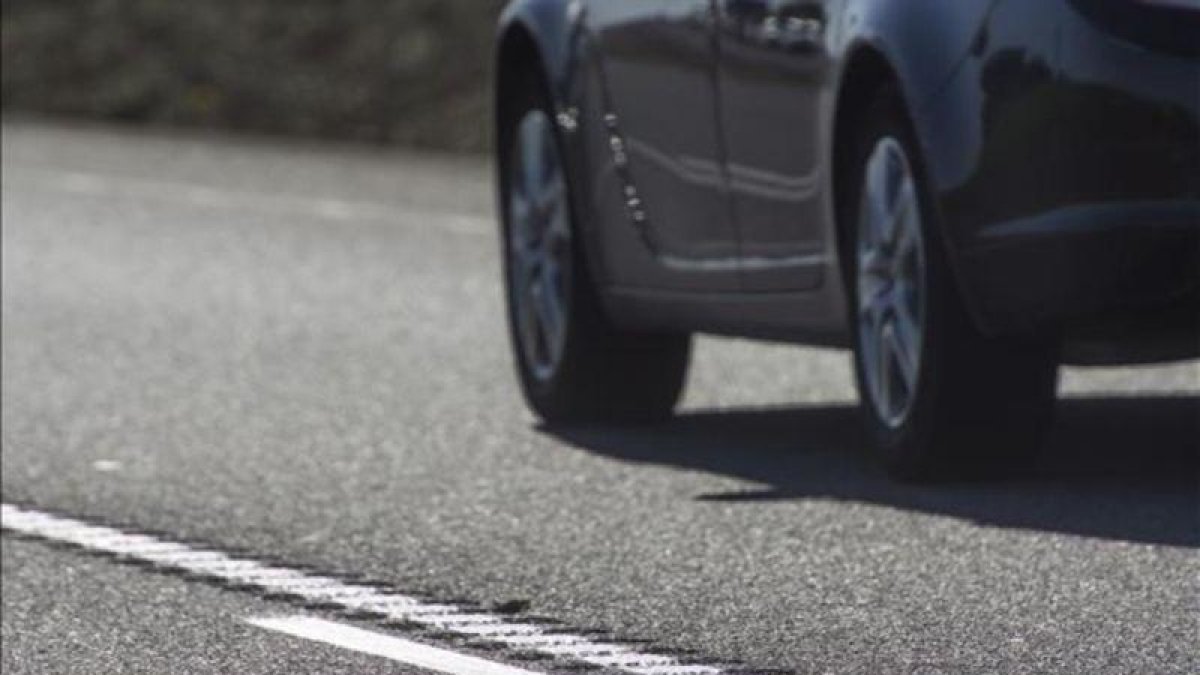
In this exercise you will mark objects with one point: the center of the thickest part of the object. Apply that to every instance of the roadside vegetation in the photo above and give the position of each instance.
(411, 72)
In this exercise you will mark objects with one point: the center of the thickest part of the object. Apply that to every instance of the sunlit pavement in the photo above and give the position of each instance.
(298, 352)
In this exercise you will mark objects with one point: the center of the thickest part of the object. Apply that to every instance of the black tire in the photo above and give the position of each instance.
(981, 405)
(604, 373)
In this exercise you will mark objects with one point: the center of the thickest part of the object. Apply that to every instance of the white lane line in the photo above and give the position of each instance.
(396, 649)
(329, 208)
(313, 588)
(106, 466)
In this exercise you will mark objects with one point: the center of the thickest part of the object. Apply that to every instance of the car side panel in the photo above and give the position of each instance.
(924, 41)
(1068, 166)
(773, 78)
(925, 46)
(656, 64)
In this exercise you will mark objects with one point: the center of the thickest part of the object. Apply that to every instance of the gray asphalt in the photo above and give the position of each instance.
(67, 614)
(299, 350)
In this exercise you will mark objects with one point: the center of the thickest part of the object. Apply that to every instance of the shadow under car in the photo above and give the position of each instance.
(1120, 468)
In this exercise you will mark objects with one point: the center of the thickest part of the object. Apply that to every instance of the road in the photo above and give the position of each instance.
(298, 352)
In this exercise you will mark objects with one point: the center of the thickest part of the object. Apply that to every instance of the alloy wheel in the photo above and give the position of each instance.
(891, 283)
(539, 245)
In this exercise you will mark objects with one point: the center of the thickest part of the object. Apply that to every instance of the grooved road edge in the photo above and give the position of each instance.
(364, 600)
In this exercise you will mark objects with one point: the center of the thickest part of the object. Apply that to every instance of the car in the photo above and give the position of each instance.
(965, 193)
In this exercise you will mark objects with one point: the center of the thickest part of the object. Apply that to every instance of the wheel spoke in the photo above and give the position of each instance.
(533, 160)
(883, 368)
(520, 212)
(904, 218)
(554, 209)
(525, 265)
(872, 310)
(905, 342)
(547, 307)
(874, 265)
(879, 213)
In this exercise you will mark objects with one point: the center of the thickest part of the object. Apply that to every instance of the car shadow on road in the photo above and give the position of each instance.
(1115, 468)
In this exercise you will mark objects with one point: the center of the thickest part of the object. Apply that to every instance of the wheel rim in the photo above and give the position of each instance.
(539, 245)
(891, 283)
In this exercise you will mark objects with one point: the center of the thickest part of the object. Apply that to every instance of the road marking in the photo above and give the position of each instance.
(396, 649)
(329, 208)
(547, 639)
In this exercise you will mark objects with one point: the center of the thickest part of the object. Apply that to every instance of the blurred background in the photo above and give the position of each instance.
(408, 72)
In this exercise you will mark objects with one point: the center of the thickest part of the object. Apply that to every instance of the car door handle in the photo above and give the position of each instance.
(794, 30)
(791, 25)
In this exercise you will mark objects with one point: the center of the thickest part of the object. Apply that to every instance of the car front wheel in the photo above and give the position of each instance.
(574, 365)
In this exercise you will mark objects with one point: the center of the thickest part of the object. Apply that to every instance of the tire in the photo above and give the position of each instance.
(574, 365)
(969, 406)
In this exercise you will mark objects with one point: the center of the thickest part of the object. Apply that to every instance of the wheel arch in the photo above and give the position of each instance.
(550, 39)
(917, 48)
(538, 35)
(518, 53)
(866, 73)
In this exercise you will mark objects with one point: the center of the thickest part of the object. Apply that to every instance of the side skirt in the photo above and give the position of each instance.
(813, 318)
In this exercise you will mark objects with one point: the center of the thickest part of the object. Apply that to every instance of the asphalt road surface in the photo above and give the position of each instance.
(298, 352)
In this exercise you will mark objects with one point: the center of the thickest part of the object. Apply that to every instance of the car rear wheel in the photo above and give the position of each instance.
(940, 398)
(573, 364)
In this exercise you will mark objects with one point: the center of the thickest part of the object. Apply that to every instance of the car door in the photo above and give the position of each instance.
(659, 63)
(773, 71)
